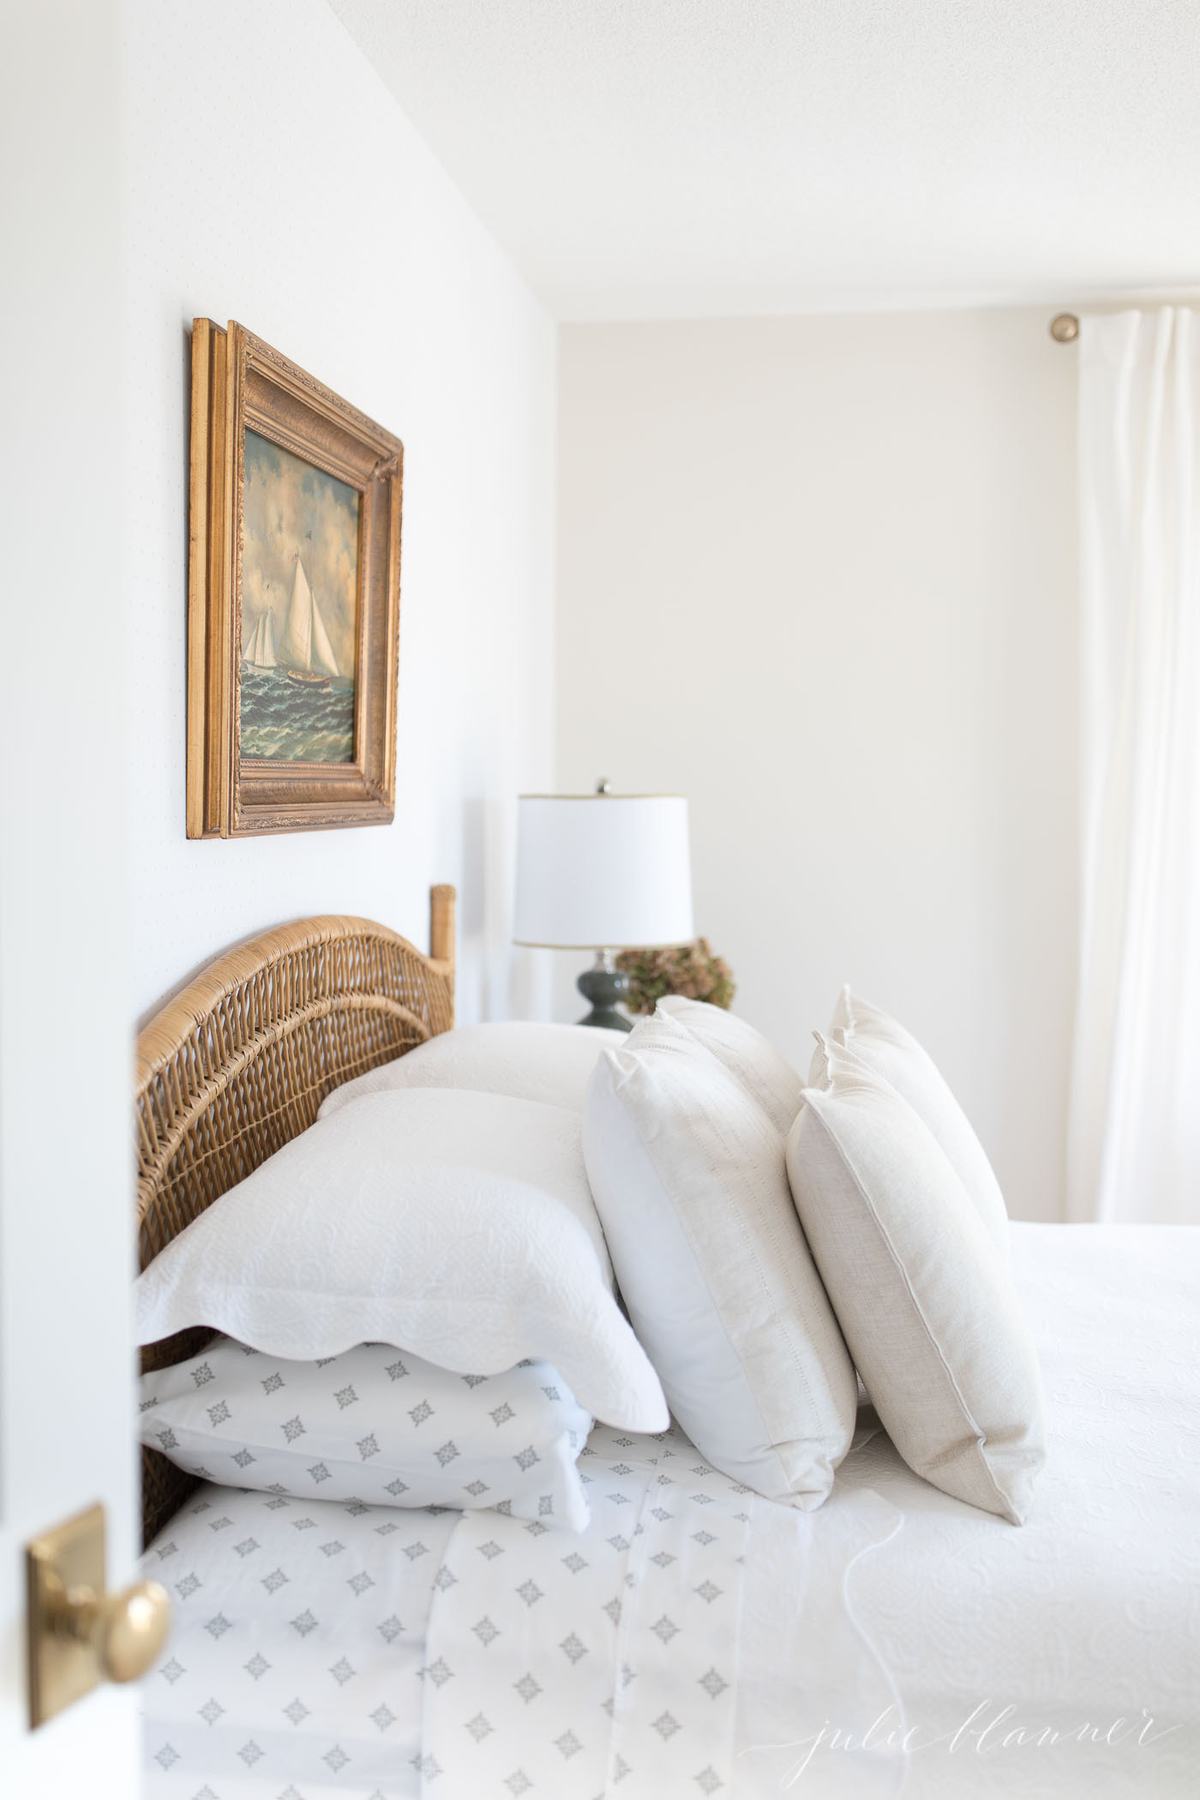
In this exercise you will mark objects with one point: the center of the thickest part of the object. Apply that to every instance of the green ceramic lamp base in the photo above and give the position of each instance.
(603, 986)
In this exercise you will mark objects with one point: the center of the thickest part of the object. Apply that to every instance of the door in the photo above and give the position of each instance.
(66, 1400)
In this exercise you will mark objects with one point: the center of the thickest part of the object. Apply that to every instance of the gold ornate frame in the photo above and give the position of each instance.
(239, 381)
(236, 1065)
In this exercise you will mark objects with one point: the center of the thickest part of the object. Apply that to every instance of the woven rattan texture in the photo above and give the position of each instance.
(236, 1065)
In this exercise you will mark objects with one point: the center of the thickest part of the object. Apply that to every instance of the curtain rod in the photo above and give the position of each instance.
(1064, 328)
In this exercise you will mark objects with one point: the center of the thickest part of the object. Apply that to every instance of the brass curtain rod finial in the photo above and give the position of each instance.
(1064, 328)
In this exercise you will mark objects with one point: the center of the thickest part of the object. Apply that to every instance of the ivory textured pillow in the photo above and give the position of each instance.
(525, 1059)
(883, 1044)
(688, 1176)
(746, 1053)
(455, 1225)
(923, 1295)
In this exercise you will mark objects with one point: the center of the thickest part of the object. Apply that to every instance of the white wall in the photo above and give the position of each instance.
(272, 178)
(818, 574)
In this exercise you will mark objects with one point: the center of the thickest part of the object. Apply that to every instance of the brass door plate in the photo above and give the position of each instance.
(61, 1668)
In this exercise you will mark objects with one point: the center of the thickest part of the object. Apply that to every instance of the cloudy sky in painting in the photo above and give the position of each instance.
(291, 506)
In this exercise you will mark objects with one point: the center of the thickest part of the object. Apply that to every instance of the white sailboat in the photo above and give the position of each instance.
(260, 651)
(307, 653)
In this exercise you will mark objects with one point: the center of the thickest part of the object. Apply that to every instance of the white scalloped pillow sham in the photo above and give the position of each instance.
(373, 1425)
(886, 1047)
(526, 1059)
(456, 1225)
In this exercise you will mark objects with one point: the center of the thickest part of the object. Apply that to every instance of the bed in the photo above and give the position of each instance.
(695, 1640)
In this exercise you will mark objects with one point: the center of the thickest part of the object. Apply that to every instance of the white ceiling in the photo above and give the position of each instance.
(672, 158)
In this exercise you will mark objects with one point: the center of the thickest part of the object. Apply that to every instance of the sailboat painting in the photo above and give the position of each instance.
(299, 609)
(295, 507)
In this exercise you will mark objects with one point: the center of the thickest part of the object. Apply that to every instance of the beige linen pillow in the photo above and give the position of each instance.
(687, 1172)
(922, 1294)
(746, 1053)
(885, 1046)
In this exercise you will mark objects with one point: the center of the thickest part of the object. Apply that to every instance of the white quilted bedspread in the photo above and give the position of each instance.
(1085, 1622)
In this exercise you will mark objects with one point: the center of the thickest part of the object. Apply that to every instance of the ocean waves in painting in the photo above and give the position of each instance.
(285, 720)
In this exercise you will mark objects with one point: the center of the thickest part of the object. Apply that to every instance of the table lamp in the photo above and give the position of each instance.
(603, 872)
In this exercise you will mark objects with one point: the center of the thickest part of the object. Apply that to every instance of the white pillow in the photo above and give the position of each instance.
(530, 1061)
(688, 1175)
(746, 1053)
(455, 1225)
(373, 1425)
(923, 1295)
(885, 1046)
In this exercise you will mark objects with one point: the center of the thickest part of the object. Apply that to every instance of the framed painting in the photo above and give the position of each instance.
(293, 597)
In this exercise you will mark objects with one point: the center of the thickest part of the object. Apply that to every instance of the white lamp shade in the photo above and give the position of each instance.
(603, 871)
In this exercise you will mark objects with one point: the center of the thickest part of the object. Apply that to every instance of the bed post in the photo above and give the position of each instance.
(441, 928)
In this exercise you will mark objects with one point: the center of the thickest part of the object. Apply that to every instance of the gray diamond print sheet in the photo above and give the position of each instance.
(327, 1649)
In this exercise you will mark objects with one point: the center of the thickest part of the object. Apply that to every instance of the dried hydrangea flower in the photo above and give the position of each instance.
(687, 969)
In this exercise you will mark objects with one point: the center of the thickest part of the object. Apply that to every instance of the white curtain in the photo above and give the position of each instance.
(1134, 1141)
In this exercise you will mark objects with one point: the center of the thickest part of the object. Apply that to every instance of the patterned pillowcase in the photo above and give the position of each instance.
(373, 1425)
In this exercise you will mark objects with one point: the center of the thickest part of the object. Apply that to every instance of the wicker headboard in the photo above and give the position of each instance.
(239, 1061)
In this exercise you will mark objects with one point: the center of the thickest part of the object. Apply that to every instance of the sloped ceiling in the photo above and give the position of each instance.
(671, 158)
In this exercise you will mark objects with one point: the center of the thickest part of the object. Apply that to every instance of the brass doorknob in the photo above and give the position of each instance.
(136, 1623)
(79, 1634)
(125, 1631)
